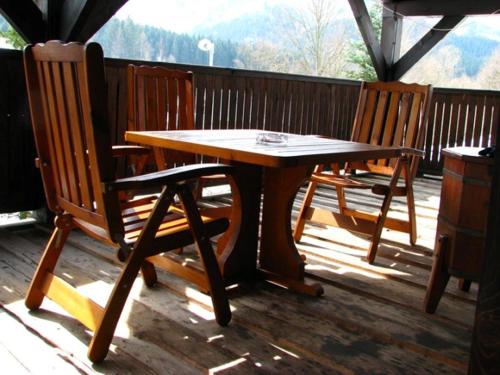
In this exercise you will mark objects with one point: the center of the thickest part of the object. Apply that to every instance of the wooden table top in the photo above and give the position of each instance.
(242, 146)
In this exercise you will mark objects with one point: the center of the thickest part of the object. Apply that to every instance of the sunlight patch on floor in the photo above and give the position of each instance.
(214, 338)
(200, 312)
(342, 270)
(285, 351)
(225, 366)
(7, 288)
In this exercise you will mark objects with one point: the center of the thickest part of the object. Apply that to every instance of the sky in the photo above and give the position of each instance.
(182, 16)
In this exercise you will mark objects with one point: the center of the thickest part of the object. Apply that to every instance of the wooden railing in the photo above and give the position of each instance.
(459, 117)
(229, 98)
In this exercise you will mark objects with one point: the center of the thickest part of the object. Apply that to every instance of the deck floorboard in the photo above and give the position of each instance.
(370, 319)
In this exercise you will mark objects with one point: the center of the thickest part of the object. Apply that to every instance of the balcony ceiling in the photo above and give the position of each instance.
(443, 7)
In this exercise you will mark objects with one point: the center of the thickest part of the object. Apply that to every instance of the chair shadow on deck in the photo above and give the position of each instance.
(168, 328)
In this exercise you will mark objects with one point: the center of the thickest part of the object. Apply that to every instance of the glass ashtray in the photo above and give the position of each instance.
(271, 138)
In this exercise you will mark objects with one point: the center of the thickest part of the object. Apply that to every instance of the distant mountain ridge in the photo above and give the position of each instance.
(257, 26)
(475, 46)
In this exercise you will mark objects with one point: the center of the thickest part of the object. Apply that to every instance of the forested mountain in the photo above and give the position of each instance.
(475, 51)
(126, 39)
(281, 38)
(266, 25)
(475, 47)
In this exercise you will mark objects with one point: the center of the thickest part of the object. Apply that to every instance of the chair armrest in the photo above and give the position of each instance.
(168, 176)
(413, 151)
(129, 150)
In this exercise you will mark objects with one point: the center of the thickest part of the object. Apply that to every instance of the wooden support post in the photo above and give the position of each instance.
(81, 19)
(26, 18)
(366, 29)
(390, 41)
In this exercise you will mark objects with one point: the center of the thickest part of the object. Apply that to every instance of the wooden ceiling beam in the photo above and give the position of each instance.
(442, 7)
(80, 19)
(392, 29)
(26, 18)
(424, 45)
(367, 32)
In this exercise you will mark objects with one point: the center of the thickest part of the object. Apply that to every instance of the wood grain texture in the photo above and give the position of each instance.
(485, 342)
(23, 190)
(170, 328)
(286, 166)
(241, 146)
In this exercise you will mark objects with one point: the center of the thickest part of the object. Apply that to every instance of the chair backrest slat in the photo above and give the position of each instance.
(161, 99)
(378, 121)
(150, 100)
(366, 117)
(411, 131)
(77, 139)
(391, 114)
(55, 145)
(162, 96)
(173, 95)
(66, 90)
(64, 121)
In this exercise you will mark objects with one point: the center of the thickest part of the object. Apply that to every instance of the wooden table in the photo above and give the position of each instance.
(276, 170)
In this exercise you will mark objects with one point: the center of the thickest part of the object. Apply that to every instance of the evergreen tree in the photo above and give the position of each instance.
(357, 54)
(14, 39)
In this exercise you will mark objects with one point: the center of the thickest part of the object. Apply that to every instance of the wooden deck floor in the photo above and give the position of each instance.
(369, 321)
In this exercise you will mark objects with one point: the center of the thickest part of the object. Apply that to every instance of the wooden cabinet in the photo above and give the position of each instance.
(463, 215)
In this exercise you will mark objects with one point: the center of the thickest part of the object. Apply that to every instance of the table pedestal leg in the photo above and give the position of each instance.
(279, 259)
(237, 249)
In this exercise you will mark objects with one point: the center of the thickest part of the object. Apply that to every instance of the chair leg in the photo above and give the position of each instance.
(341, 199)
(464, 284)
(207, 255)
(103, 335)
(377, 233)
(439, 276)
(149, 273)
(99, 346)
(198, 191)
(306, 203)
(300, 223)
(340, 190)
(372, 251)
(35, 295)
(410, 201)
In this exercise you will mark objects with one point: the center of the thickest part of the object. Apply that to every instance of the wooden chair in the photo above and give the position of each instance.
(67, 97)
(162, 99)
(388, 114)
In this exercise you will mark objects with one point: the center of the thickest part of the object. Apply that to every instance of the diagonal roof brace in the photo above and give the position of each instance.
(424, 45)
(26, 18)
(367, 32)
